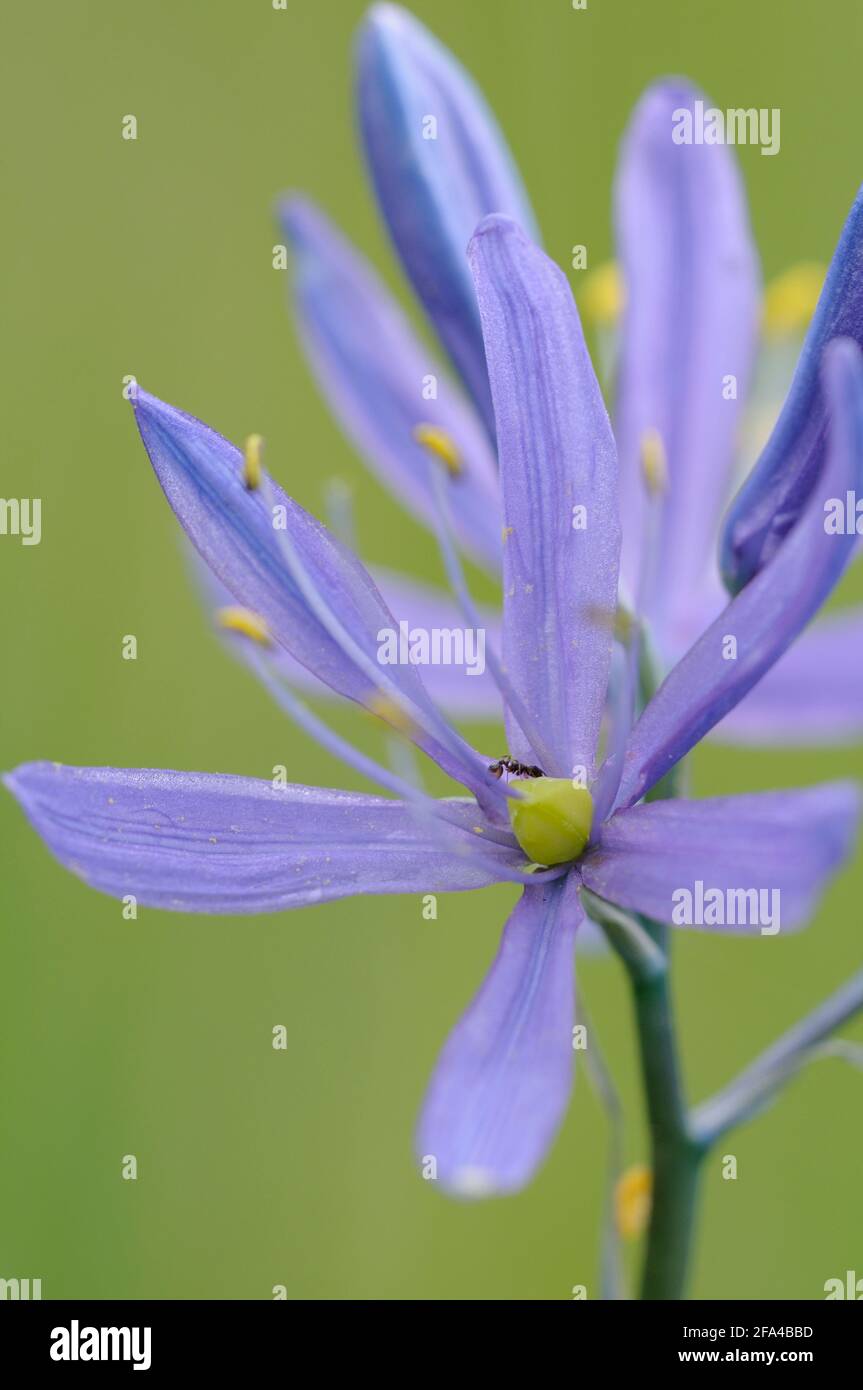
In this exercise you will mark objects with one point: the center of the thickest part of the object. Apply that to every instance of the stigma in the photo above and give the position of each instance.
(551, 818)
(442, 445)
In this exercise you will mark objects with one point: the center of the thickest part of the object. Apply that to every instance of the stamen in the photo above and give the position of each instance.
(455, 574)
(427, 717)
(246, 622)
(629, 629)
(384, 707)
(626, 625)
(654, 462)
(339, 747)
(603, 296)
(632, 1197)
(252, 469)
(426, 807)
(628, 667)
(790, 299)
(620, 623)
(442, 445)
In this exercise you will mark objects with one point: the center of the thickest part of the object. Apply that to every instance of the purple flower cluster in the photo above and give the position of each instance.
(534, 445)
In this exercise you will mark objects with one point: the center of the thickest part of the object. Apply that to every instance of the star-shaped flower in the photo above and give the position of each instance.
(207, 843)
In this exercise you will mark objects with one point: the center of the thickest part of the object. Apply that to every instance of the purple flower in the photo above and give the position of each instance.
(685, 363)
(439, 164)
(208, 843)
(687, 348)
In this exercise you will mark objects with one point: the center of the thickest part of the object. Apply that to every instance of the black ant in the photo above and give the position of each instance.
(513, 766)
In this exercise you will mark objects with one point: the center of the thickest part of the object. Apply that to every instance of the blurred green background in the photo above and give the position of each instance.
(154, 1037)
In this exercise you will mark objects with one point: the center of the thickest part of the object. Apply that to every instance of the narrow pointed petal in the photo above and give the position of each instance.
(773, 495)
(233, 530)
(434, 182)
(784, 846)
(558, 470)
(201, 842)
(375, 374)
(503, 1080)
(690, 326)
(759, 624)
(812, 696)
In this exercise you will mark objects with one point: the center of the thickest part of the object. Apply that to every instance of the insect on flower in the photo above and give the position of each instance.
(514, 768)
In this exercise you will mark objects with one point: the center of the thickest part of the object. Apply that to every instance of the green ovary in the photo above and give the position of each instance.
(551, 819)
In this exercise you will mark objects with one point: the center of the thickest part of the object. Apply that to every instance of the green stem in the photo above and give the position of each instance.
(675, 1153)
(625, 933)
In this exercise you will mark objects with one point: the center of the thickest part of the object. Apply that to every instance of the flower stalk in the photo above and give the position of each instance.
(675, 1153)
(680, 1138)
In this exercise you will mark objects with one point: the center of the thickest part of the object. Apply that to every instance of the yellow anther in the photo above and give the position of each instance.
(654, 464)
(625, 625)
(620, 622)
(442, 445)
(602, 296)
(390, 711)
(551, 818)
(632, 1197)
(603, 618)
(790, 299)
(245, 622)
(252, 451)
